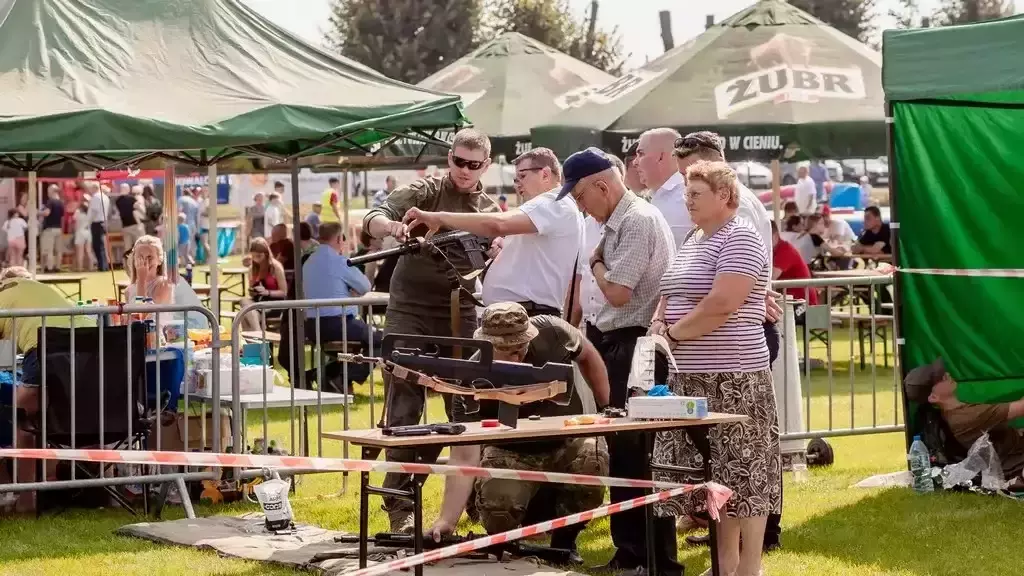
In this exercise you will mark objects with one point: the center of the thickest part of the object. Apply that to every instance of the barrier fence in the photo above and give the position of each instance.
(861, 309)
(808, 409)
(83, 396)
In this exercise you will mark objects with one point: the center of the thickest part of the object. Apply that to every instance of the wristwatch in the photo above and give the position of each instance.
(595, 263)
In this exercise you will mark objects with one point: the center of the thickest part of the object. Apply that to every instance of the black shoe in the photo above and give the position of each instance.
(616, 564)
(698, 540)
(575, 559)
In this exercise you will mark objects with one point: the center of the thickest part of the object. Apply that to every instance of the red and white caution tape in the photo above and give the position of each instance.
(332, 464)
(978, 273)
(717, 496)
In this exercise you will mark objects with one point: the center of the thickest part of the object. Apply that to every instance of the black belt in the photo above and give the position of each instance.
(534, 309)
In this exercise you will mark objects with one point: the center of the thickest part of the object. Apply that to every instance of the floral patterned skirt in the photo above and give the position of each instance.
(745, 456)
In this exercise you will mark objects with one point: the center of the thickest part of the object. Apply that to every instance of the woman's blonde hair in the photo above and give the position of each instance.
(129, 263)
(718, 176)
(261, 246)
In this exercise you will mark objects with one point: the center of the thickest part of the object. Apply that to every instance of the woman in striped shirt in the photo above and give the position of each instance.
(711, 311)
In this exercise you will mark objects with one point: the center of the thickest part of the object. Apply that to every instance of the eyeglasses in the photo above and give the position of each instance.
(520, 172)
(464, 163)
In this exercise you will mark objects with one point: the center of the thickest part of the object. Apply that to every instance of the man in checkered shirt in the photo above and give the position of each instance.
(628, 265)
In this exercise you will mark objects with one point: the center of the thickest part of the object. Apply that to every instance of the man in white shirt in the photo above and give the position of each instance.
(837, 230)
(659, 172)
(631, 174)
(99, 208)
(710, 146)
(806, 193)
(541, 238)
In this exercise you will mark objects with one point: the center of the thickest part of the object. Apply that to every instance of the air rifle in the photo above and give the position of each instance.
(418, 359)
(552, 556)
(475, 247)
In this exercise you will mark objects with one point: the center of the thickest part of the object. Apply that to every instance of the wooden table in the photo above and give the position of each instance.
(372, 441)
(233, 280)
(199, 289)
(60, 280)
(854, 273)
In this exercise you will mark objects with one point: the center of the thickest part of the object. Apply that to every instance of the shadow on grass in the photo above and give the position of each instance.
(938, 534)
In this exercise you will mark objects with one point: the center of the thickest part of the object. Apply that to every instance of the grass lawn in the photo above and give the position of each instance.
(829, 529)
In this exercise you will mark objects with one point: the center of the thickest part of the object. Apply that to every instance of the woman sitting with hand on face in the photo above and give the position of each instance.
(145, 269)
(711, 312)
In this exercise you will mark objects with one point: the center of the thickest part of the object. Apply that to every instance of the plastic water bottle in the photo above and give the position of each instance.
(800, 468)
(920, 466)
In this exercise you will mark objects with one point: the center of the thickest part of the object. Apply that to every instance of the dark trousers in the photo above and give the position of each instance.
(331, 331)
(629, 457)
(773, 529)
(405, 402)
(99, 245)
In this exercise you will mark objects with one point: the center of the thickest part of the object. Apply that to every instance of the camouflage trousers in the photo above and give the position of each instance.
(504, 504)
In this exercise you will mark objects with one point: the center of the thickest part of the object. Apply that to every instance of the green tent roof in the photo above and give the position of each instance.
(118, 77)
(508, 86)
(769, 78)
(955, 61)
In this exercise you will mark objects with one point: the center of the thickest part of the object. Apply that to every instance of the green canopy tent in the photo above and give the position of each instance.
(955, 97)
(509, 85)
(775, 81)
(111, 83)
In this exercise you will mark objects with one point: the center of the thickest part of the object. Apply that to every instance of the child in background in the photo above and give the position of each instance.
(15, 227)
(83, 237)
(184, 240)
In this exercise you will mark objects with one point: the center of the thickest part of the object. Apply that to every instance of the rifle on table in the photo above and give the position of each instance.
(475, 247)
(418, 359)
(553, 556)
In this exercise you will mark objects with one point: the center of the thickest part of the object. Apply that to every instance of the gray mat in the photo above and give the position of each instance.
(245, 538)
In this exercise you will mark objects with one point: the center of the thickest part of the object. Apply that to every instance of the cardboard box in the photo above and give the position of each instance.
(172, 432)
(667, 408)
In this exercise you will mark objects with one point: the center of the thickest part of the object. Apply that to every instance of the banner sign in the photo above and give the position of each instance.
(782, 84)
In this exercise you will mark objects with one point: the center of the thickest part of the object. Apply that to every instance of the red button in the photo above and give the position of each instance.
(488, 423)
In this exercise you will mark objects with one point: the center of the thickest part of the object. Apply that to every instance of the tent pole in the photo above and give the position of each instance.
(33, 221)
(897, 292)
(344, 203)
(213, 254)
(298, 348)
(776, 192)
(170, 223)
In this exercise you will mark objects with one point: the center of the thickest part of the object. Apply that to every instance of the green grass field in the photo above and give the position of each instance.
(829, 528)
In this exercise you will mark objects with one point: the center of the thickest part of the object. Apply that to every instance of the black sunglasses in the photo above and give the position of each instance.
(471, 164)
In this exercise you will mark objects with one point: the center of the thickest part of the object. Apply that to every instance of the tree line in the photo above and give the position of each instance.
(411, 39)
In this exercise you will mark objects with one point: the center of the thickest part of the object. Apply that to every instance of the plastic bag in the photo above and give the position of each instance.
(981, 458)
(641, 373)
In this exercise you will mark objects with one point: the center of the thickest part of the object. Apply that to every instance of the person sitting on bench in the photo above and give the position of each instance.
(327, 275)
(507, 504)
(931, 384)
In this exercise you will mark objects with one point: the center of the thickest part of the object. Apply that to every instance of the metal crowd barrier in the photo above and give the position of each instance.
(851, 304)
(139, 411)
(296, 313)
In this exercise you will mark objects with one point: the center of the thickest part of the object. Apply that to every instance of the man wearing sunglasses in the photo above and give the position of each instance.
(710, 146)
(541, 238)
(420, 289)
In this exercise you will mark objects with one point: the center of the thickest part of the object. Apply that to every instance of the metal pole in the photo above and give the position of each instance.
(897, 284)
(213, 257)
(33, 221)
(299, 331)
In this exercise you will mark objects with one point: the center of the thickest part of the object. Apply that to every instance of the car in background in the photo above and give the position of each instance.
(753, 175)
(876, 169)
(788, 171)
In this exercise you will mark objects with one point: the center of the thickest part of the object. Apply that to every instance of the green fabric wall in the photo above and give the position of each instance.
(960, 202)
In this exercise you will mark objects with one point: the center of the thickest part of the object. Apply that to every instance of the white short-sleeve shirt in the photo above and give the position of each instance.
(538, 267)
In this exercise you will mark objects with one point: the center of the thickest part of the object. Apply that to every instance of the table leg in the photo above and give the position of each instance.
(364, 512)
(699, 435)
(652, 562)
(417, 518)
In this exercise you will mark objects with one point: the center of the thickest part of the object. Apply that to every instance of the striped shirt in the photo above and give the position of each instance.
(738, 345)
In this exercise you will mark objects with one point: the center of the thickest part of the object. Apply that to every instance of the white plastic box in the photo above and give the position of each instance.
(667, 408)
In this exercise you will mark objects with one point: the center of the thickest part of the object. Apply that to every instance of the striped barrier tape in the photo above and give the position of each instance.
(978, 273)
(326, 464)
(717, 496)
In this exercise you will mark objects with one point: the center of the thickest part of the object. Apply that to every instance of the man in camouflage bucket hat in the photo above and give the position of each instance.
(507, 504)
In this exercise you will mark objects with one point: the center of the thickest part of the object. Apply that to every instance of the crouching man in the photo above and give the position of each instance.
(508, 504)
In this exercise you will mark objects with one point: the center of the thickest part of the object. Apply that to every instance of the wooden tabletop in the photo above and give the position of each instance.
(57, 278)
(196, 286)
(232, 271)
(551, 427)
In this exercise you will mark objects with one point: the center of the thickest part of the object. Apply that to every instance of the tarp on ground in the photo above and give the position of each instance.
(957, 97)
(121, 76)
(508, 86)
(771, 78)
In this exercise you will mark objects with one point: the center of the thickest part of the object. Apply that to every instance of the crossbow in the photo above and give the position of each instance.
(420, 360)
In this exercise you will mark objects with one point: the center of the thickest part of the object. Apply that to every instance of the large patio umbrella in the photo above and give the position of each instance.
(777, 82)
